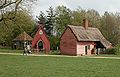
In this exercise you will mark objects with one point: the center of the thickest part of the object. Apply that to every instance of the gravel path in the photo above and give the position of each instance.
(97, 57)
(106, 57)
(36, 54)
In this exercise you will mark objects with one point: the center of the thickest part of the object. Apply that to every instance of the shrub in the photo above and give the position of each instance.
(54, 41)
(54, 53)
(117, 49)
(110, 51)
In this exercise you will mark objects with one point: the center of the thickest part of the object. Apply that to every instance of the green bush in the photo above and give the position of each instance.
(110, 51)
(117, 49)
(54, 53)
(54, 42)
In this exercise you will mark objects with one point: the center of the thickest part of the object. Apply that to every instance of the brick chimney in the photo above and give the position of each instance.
(85, 23)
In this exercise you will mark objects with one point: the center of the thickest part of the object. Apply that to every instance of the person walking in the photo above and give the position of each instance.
(28, 49)
(25, 49)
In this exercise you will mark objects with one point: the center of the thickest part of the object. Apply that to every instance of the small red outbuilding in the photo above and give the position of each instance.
(40, 41)
(82, 40)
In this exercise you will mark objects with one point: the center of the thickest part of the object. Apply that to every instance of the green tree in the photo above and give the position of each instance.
(78, 16)
(63, 18)
(50, 21)
(9, 29)
(93, 17)
(11, 5)
(41, 18)
(110, 28)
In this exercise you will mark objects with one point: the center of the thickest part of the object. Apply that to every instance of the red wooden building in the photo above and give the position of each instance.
(40, 41)
(82, 40)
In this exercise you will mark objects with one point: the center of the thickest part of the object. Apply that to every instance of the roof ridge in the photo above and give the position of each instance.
(81, 26)
(89, 34)
(23, 36)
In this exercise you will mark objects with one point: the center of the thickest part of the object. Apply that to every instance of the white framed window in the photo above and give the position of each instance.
(40, 32)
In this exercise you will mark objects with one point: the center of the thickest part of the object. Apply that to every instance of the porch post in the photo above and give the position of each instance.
(95, 51)
(99, 51)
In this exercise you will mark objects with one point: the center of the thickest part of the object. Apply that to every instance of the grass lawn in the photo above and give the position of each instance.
(18, 51)
(10, 51)
(44, 66)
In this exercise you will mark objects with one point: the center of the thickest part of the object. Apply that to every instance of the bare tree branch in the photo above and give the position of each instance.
(11, 5)
(7, 3)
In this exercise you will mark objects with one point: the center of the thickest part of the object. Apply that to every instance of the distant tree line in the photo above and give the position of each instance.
(56, 20)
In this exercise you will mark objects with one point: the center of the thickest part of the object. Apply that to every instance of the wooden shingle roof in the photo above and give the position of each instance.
(23, 37)
(89, 34)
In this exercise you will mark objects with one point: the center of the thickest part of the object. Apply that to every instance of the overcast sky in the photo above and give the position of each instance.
(100, 5)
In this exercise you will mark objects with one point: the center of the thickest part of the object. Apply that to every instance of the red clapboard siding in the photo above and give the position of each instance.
(43, 38)
(68, 43)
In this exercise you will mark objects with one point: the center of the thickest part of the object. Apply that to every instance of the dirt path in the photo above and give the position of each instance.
(36, 54)
(106, 57)
(97, 57)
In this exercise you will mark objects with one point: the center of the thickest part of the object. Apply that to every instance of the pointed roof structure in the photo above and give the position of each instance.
(89, 34)
(23, 37)
(41, 36)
